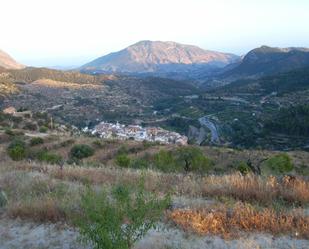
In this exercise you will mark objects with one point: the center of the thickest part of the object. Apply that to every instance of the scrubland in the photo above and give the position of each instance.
(216, 205)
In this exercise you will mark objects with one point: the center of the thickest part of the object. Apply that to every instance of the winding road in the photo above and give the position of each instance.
(205, 121)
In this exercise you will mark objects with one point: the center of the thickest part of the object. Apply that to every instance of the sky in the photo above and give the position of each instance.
(73, 32)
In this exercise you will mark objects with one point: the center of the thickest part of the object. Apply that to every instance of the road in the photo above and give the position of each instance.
(205, 121)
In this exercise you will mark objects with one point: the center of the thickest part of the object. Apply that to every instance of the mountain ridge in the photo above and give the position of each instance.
(157, 56)
(267, 60)
(7, 62)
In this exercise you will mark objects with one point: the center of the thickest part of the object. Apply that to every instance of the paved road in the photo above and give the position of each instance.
(212, 127)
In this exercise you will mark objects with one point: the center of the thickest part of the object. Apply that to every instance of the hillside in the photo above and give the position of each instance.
(274, 109)
(268, 60)
(83, 99)
(159, 57)
(6, 61)
(47, 171)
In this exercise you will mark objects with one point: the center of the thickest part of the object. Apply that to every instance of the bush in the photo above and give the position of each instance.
(43, 129)
(49, 157)
(193, 159)
(164, 161)
(280, 164)
(36, 141)
(118, 220)
(139, 163)
(123, 160)
(17, 150)
(243, 168)
(81, 151)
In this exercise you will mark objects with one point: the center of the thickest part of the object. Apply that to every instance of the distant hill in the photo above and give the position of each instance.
(281, 83)
(161, 58)
(6, 61)
(31, 74)
(268, 60)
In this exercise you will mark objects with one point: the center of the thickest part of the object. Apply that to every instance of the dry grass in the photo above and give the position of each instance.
(258, 189)
(242, 218)
(249, 188)
(40, 210)
(61, 84)
(37, 197)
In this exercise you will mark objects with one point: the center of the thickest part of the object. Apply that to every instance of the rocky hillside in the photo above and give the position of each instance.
(159, 57)
(6, 61)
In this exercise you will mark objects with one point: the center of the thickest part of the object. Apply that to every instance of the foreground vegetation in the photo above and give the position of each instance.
(71, 178)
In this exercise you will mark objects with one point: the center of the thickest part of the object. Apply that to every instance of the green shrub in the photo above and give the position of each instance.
(193, 159)
(43, 129)
(81, 151)
(36, 141)
(139, 163)
(165, 161)
(119, 220)
(17, 150)
(123, 160)
(50, 158)
(243, 168)
(280, 164)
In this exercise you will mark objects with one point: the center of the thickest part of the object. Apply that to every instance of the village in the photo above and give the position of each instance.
(138, 133)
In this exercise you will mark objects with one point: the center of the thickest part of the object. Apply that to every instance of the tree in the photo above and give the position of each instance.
(280, 163)
(118, 220)
(193, 159)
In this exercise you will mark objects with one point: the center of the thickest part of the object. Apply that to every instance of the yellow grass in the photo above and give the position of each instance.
(258, 189)
(242, 218)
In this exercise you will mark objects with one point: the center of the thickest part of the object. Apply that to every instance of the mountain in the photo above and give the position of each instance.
(6, 61)
(285, 83)
(159, 57)
(269, 60)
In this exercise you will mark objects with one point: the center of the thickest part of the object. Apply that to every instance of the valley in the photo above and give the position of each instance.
(161, 145)
(242, 110)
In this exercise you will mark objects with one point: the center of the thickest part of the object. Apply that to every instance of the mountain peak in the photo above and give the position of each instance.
(153, 56)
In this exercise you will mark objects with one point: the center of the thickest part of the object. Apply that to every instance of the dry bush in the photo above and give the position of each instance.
(257, 189)
(242, 218)
(40, 210)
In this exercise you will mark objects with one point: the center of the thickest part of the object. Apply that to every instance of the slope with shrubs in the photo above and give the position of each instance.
(64, 173)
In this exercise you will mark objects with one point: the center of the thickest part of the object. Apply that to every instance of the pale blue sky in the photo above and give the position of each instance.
(71, 32)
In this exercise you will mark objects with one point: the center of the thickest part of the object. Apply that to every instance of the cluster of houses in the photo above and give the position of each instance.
(138, 133)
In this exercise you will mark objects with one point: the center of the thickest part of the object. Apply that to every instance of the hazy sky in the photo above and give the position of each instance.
(71, 32)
